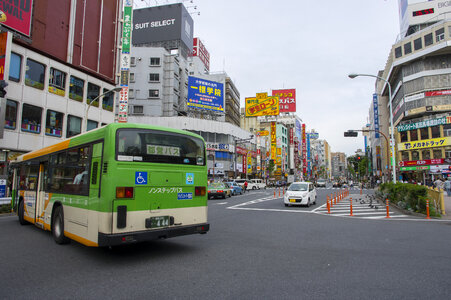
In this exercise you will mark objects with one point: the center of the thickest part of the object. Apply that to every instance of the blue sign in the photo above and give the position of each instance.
(140, 178)
(376, 116)
(184, 196)
(205, 94)
(189, 178)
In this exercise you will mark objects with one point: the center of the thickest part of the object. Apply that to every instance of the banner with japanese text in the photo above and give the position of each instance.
(438, 142)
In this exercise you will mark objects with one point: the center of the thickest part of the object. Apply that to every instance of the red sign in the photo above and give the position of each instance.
(3, 39)
(287, 100)
(437, 93)
(16, 15)
(240, 150)
(200, 51)
(425, 162)
(304, 150)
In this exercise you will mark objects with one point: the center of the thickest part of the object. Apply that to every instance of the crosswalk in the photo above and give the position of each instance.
(361, 208)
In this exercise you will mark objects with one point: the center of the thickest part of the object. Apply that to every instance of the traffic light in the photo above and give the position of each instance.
(3, 84)
(351, 133)
(358, 158)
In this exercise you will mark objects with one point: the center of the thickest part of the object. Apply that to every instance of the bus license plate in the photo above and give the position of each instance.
(162, 221)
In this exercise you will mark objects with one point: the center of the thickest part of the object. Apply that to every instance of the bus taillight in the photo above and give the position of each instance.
(199, 191)
(124, 192)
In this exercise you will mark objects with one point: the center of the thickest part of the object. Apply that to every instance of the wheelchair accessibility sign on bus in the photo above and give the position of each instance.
(140, 178)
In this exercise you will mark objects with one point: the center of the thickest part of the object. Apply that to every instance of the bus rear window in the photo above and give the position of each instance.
(159, 147)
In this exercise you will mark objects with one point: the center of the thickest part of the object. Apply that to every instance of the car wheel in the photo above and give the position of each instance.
(254, 188)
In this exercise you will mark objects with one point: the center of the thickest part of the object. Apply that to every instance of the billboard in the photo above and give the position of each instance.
(200, 51)
(16, 15)
(287, 99)
(262, 105)
(205, 94)
(163, 23)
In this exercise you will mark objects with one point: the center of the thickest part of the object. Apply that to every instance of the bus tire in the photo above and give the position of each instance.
(58, 226)
(20, 214)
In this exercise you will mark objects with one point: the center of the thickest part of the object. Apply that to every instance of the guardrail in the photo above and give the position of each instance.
(6, 200)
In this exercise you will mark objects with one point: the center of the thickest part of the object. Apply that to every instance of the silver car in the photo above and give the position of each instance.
(300, 193)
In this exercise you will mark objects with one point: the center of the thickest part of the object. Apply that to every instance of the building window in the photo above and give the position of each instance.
(415, 155)
(428, 40)
(398, 52)
(35, 74)
(448, 152)
(418, 44)
(437, 153)
(108, 100)
(138, 109)
(133, 61)
(54, 123)
(93, 92)
(57, 82)
(424, 133)
(131, 93)
(447, 130)
(154, 77)
(73, 126)
(132, 77)
(403, 135)
(413, 135)
(154, 93)
(439, 35)
(405, 155)
(407, 48)
(154, 61)
(76, 88)
(426, 154)
(11, 114)
(15, 67)
(92, 125)
(31, 118)
(435, 132)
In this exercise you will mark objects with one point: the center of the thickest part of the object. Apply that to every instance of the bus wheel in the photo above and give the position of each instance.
(21, 213)
(58, 226)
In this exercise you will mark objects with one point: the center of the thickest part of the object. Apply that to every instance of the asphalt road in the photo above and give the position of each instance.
(265, 252)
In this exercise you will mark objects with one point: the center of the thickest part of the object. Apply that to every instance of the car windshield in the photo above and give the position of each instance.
(216, 185)
(298, 187)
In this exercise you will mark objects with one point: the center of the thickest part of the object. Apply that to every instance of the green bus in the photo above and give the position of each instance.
(118, 184)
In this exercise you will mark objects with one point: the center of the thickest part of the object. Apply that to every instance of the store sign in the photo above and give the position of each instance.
(437, 93)
(287, 100)
(414, 97)
(304, 150)
(422, 168)
(423, 162)
(123, 105)
(17, 15)
(273, 140)
(218, 147)
(200, 51)
(263, 133)
(424, 124)
(432, 143)
(262, 105)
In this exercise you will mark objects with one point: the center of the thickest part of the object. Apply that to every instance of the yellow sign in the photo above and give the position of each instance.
(273, 140)
(432, 143)
(263, 132)
(279, 151)
(268, 106)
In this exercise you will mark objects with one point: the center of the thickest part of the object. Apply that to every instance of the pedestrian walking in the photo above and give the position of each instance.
(448, 186)
(439, 184)
(245, 186)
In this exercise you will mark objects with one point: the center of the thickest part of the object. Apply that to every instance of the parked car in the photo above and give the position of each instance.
(300, 193)
(321, 183)
(236, 189)
(219, 190)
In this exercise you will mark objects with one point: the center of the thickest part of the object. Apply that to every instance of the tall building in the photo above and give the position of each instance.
(338, 165)
(418, 70)
(55, 65)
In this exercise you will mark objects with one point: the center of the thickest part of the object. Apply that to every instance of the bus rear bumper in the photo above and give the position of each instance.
(148, 235)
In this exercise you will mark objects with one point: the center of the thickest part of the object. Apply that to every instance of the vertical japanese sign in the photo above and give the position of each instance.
(125, 61)
(376, 116)
(309, 167)
(287, 100)
(244, 164)
(3, 42)
(304, 150)
(273, 140)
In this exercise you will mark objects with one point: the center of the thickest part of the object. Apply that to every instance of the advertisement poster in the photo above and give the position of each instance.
(16, 15)
(287, 100)
(205, 94)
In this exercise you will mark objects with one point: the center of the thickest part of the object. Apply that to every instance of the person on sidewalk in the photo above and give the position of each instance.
(448, 186)
(439, 184)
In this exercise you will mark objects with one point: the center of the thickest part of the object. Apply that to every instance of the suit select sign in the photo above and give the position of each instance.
(16, 15)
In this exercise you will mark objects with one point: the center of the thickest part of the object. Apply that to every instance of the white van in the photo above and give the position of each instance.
(250, 185)
(258, 183)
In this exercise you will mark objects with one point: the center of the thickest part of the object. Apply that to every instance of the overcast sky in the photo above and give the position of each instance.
(308, 45)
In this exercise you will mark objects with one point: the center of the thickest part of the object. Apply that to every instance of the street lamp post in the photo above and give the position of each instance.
(85, 122)
(392, 137)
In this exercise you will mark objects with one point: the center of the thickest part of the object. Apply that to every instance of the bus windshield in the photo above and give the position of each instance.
(159, 147)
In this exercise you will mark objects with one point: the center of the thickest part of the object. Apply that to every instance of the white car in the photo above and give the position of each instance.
(300, 193)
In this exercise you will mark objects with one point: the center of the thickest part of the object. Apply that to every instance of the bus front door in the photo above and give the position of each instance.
(42, 198)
